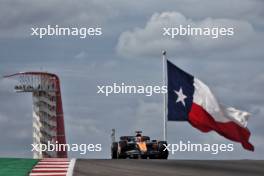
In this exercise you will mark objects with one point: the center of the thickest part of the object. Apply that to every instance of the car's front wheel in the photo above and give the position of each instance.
(163, 152)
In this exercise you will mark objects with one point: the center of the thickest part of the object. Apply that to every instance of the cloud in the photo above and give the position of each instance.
(81, 55)
(149, 40)
(17, 17)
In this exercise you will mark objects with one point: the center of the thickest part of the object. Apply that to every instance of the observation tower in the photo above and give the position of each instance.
(48, 119)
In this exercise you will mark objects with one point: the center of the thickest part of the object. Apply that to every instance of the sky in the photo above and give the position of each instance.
(129, 51)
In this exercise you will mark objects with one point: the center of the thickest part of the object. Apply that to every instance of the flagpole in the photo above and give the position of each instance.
(164, 59)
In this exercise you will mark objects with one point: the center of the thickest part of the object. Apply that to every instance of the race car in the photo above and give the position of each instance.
(138, 146)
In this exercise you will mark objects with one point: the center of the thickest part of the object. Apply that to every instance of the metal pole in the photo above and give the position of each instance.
(164, 58)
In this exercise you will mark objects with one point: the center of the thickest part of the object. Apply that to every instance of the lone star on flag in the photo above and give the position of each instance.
(181, 96)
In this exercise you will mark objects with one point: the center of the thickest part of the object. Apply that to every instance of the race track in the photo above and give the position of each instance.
(168, 168)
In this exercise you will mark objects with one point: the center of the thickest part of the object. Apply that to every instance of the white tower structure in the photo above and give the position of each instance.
(48, 120)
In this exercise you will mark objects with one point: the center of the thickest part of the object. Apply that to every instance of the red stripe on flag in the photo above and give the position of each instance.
(201, 119)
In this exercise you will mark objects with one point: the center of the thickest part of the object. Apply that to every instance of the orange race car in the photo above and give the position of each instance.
(138, 146)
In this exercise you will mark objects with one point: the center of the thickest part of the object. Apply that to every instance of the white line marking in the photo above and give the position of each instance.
(49, 169)
(48, 174)
(71, 167)
(43, 162)
(51, 166)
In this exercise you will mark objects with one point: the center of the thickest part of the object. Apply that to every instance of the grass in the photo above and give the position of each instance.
(16, 166)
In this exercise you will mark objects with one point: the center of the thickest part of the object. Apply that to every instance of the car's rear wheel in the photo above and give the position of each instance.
(123, 146)
(143, 156)
(135, 157)
(153, 157)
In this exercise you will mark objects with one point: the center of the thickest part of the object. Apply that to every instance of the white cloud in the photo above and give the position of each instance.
(149, 40)
(81, 55)
(17, 17)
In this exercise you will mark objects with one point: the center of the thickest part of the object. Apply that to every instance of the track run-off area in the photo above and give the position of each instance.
(128, 167)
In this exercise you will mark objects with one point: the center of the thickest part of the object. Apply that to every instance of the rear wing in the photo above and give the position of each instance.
(130, 138)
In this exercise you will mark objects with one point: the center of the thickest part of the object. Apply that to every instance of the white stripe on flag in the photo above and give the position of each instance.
(204, 97)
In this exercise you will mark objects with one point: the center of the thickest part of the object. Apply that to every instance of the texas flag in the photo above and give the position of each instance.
(189, 99)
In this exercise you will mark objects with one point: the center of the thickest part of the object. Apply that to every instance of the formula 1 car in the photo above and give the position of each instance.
(138, 146)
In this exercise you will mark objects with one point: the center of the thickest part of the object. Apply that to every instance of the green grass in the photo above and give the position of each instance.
(16, 166)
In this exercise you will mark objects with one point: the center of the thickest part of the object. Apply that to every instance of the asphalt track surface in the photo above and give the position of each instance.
(129, 167)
